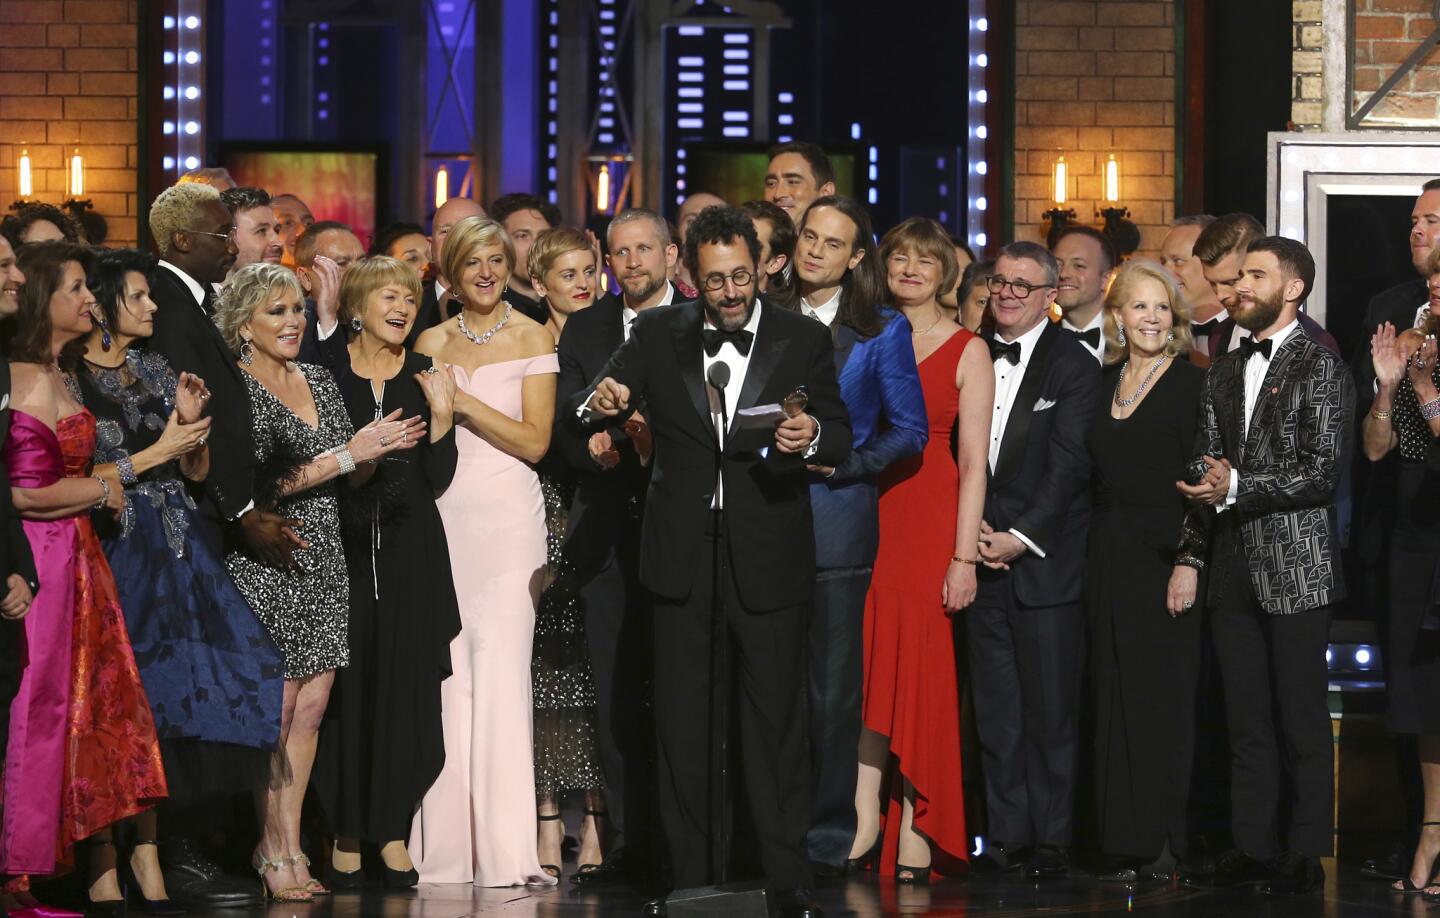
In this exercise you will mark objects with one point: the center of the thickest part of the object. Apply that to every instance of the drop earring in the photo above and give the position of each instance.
(247, 352)
(105, 339)
(1120, 334)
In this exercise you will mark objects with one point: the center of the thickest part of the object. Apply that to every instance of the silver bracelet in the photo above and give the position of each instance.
(128, 478)
(347, 462)
(104, 493)
(1431, 409)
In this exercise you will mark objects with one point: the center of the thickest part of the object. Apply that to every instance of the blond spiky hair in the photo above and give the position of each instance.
(174, 210)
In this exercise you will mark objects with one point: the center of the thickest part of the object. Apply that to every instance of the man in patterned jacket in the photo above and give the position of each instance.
(1275, 421)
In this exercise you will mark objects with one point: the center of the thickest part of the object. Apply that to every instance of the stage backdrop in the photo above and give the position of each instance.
(336, 185)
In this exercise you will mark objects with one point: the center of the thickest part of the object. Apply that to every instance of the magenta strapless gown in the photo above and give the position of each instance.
(82, 750)
(477, 822)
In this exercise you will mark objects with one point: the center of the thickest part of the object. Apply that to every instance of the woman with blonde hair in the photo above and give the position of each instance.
(304, 441)
(382, 746)
(477, 823)
(1144, 629)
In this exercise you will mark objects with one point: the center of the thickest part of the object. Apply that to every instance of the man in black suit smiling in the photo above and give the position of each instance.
(1026, 630)
(696, 365)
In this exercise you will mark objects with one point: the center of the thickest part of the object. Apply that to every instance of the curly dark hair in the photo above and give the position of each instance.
(15, 225)
(719, 225)
(106, 279)
(505, 205)
(244, 197)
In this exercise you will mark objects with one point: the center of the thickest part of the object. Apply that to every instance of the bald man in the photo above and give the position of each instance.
(434, 294)
(688, 212)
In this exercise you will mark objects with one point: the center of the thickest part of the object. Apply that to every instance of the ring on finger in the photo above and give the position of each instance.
(384, 440)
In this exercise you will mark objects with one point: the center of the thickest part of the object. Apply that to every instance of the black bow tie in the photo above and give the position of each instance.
(1010, 352)
(1250, 346)
(1090, 336)
(712, 338)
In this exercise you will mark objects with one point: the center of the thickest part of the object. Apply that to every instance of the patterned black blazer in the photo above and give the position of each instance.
(1288, 467)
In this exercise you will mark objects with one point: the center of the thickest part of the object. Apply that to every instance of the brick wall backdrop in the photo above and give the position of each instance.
(1094, 77)
(68, 77)
(1386, 33)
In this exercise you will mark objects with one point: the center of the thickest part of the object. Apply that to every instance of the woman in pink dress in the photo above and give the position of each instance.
(477, 824)
(82, 752)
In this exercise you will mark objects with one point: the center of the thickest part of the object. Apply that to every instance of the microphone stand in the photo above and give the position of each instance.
(719, 377)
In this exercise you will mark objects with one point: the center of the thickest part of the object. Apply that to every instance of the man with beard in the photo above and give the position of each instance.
(1221, 248)
(1087, 258)
(744, 486)
(257, 230)
(1274, 425)
(603, 536)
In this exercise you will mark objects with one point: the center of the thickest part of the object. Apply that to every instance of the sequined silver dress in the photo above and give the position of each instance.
(566, 756)
(305, 608)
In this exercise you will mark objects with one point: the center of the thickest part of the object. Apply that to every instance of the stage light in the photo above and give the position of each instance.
(168, 57)
(854, 130)
(169, 92)
(192, 92)
(982, 97)
(192, 57)
(1329, 657)
(982, 24)
(169, 22)
(982, 167)
(192, 22)
(168, 162)
(981, 203)
(981, 239)
(982, 132)
(1362, 657)
(192, 162)
(192, 127)
(982, 60)
(168, 127)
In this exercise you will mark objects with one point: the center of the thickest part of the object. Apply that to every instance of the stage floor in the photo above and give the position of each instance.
(1346, 895)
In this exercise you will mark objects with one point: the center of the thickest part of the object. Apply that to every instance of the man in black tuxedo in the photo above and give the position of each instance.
(1026, 628)
(16, 562)
(195, 235)
(1275, 421)
(745, 486)
(603, 540)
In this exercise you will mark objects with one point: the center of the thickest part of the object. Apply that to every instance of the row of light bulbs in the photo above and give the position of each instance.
(1060, 180)
(74, 175)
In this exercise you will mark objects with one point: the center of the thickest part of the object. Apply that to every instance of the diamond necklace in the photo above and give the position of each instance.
(1145, 384)
(481, 339)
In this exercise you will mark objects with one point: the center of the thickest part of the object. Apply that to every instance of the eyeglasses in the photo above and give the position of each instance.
(741, 278)
(1020, 288)
(228, 237)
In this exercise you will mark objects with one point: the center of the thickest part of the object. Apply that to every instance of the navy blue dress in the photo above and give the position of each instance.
(213, 676)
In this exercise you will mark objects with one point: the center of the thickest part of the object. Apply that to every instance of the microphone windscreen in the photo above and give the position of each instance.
(719, 374)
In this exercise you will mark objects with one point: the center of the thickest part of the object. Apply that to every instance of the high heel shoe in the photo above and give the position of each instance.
(552, 869)
(919, 876)
(313, 886)
(587, 869)
(1403, 885)
(866, 861)
(344, 880)
(160, 907)
(399, 879)
(106, 908)
(264, 865)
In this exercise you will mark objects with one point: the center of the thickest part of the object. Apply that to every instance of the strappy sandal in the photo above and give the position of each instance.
(550, 869)
(1403, 885)
(264, 865)
(586, 869)
(313, 886)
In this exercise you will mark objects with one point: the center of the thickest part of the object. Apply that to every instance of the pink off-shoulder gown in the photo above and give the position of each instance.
(477, 822)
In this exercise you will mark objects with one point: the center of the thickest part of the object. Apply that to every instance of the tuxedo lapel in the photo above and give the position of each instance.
(1230, 403)
(690, 356)
(770, 343)
(1017, 427)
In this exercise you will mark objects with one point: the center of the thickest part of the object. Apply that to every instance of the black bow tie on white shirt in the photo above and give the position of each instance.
(1090, 336)
(1250, 346)
(1010, 352)
(712, 338)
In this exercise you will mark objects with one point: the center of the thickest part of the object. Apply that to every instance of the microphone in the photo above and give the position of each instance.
(719, 376)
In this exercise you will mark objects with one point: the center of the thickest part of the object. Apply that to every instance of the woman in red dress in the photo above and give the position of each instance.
(83, 752)
(930, 508)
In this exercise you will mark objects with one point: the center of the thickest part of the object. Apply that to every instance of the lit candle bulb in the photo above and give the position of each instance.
(442, 185)
(75, 176)
(1112, 180)
(602, 189)
(1062, 179)
(27, 180)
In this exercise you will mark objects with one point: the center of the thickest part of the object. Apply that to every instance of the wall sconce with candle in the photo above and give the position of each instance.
(1059, 216)
(1115, 218)
(24, 179)
(610, 181)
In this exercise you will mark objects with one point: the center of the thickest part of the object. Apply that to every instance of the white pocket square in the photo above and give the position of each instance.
(1043, 404)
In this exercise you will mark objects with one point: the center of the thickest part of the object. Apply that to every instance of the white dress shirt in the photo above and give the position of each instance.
(1098, 352)
(1007, 385)
(824, 312)
(1256, 366)
(190, 283)
(739, 365)
(628, 315)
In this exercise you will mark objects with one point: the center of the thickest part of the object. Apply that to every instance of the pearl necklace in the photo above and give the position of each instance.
(481, 339)
(1154, 368)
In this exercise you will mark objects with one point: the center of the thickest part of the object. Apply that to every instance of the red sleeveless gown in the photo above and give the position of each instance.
(911, 693)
